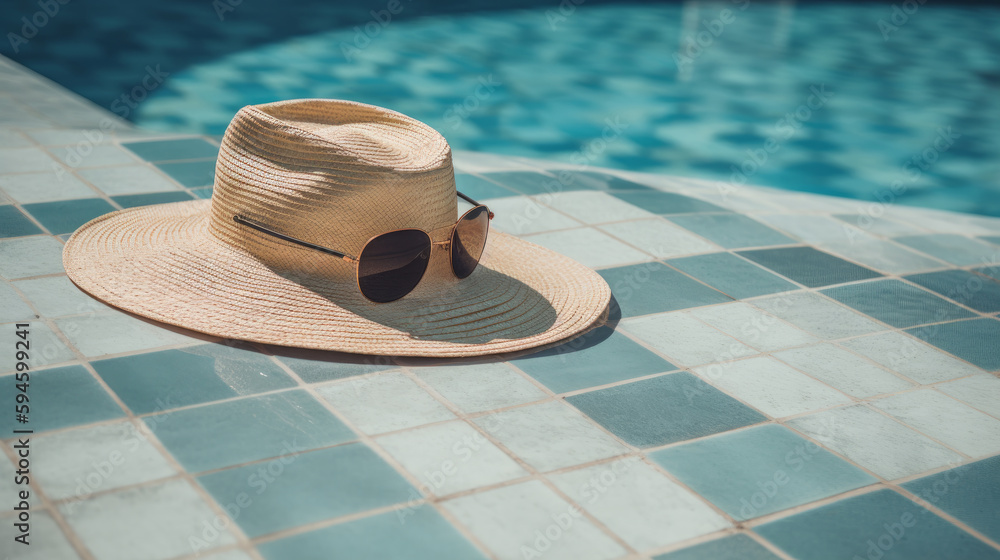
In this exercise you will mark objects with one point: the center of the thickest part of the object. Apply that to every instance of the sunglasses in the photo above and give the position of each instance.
(393, 263)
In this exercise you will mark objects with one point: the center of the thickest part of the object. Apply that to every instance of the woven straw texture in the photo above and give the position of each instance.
(334, 173)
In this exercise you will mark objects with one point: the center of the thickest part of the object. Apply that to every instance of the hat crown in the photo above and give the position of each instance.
(333, 173)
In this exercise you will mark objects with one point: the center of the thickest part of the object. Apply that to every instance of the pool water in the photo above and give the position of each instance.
(854, 100)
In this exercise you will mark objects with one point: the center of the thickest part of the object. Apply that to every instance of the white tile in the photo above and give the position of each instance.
(771, 386)
(639, 503)
(753, 326)
(30, 256)
(24, 160)
(843, 370)
(812, 228)
(529, 520)
(979, 391)
(47, 186)
(127, 179)
(384, 402)
(521, 215)
(480, 387)
(957, 425)
(590, 247)
(908, 356)
(660, 238)
(451, 457)
(818, 315)
(56, 296)
(113, 332)
(592, 207)
(884, 256)
(12, 307)
(880, 444)
(685, 340)
(550, 436)
(46, 538)
(48, 348)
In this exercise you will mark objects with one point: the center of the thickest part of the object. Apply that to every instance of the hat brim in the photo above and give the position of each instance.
(162, 262)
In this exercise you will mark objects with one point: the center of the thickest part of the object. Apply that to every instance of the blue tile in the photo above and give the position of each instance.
(653, 287)
(970, 289)
(994, 239)
(990, 271)
(414, 534)
(247, 430)
(667, 203)
(954, 249)
(603, 181)
(64, 216)
(173, 378)
(314, 366)
(732, 231)
(808, 266)
(974, 341)
(60, 397)
(15, 224)
(761, 470)
(191, 173)
(480, 189)
(897, 303)
(167, 150)
(970, 493)
(880, 524)
(599, 357)
(316, 485)
(667, 409)
(736, 547)
(532, 182)
(131, 200)
(203, 193)
(732, 275)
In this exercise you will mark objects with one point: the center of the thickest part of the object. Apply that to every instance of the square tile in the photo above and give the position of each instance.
(590, 247)
(145, 523)
(665, 409)
(812, 228)
(818, 316)
(659, 238)
(127, 179)
(191, 173)
(49, 349)
(897, 303)
(79, 462)
(943, 418)
(132, 200)
(965, 339)
(735, 547)
(158, 381)
(60, 397)
(24, 160)
(878, 226)
(205, 193)
(529, 182)
(12, 307)
(969, 289)
(47, 540)
(882, 255)
(989, 271)
(507, 521)
(639, 504)
(686, 340)
(480, 189)
(15, 224)
(843, 370)
(753, 326)
(659, 202)
(732, 231)
(13, 139)
(64, 216)
(602, 181)
(113, 332)
(910, 357)
(592, 207)
(877, 443)
(30, 256)
(550, 436)
(771, 386)
(523, 216)
(450, 457)
(732, 275)
(308, 487)
(809, 267)
(166, 150)
(760, 470)
(653, 287)
(421, 535)
(314, 366)
(866, 526)
(94, 155)
(248, 429)
(480, 387)
(599, 357)
(384, 402)
(978, 391)
(969, 492)
(47, 186)
(955, 249)
(56, 296)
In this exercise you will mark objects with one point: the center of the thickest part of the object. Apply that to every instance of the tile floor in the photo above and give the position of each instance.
(765, 389)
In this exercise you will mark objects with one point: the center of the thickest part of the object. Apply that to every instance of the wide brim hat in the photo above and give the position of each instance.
(334, 173)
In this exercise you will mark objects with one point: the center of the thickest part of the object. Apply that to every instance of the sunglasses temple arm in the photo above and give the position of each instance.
(262, 229)
(473, 202)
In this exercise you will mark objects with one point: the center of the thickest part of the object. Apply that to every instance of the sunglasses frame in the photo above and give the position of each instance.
(357, 260)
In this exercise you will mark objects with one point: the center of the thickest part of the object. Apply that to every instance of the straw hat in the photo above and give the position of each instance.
(334, 173)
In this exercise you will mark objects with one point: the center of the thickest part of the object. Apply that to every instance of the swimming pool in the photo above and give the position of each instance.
(860, 100)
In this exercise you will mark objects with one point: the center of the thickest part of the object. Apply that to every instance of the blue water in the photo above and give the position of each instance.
(817, 97)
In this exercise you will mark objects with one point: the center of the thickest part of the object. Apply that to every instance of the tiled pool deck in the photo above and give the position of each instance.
(786, 376)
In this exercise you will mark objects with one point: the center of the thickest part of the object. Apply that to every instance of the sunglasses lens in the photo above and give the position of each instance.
(469, 240)
(392, 264)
